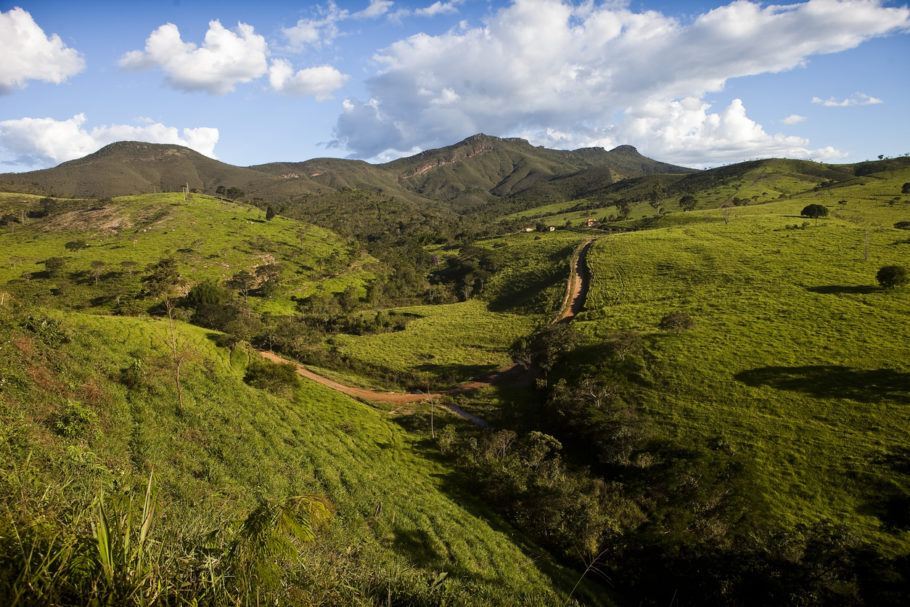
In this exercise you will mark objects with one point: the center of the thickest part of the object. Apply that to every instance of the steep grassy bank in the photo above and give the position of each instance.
(88, 403)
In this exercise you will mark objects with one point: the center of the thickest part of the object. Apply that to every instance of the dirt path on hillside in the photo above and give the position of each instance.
(378, 396)
(576, 291)
(577, 286)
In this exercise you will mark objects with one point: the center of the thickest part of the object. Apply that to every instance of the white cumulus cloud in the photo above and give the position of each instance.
(225, 59)
(319, 82)
(588, 71)
(853, 100)
(687, 132)
(40, 142)
(793, 119)
(27, 53)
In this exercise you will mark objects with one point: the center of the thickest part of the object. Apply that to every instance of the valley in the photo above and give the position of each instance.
(490, 373)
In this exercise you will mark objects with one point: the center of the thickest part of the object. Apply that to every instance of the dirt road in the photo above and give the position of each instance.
(576, 291)
(577, 286)
(378, 396)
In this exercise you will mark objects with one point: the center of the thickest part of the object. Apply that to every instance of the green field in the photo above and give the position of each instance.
(447, 343)
(400, 517)
(210, 239)
(797, 358)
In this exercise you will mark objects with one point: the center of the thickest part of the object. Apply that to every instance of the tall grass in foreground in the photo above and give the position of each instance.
(109, 554)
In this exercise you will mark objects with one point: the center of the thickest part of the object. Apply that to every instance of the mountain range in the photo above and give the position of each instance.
(474, 171)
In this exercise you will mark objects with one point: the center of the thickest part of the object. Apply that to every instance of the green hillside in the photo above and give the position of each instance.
(797, 359)
(87, 403)
(106, 245)
(723, 419)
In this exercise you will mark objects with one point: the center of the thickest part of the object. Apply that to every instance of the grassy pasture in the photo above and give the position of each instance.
(797, 358)
(209, 238)
(447, 343)
(400, 516)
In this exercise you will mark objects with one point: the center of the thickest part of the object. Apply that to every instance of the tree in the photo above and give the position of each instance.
(349, 299)
(687, 202)
(624, 208)
(906, 188)
(814, 211)
(213, 306)
(162, 278)
(234, 193)
(243, 282)
(269, 277)
(97, 269)
(654, 197)
(270, 213)
(890, 277)
(53, 266)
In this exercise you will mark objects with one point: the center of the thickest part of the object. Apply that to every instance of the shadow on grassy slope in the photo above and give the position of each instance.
(844, 289)
(834, 381)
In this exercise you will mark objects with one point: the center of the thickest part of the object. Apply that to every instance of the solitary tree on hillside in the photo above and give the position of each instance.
(654, 197)
(890, 277)
(687, 202)
(243, 282)
(814, 211)
(53, 265)
(162, 278)
(906, 188)
(270, 213)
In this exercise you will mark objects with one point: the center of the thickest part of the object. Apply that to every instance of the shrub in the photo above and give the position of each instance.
(902, 225)
(676, 322)
(890, 277)
(54, 265)
(74, 421)
(133, 374)
(814, 211)
(687, 202)
(265, 375)
(75, 245)
(48, 330)
(905, 189)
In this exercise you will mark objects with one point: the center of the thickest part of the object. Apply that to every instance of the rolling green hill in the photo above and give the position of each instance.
(724, 422)
(88, 403)
(106, 245)
(797, 359)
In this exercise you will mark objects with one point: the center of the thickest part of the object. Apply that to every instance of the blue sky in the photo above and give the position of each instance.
(698, 83)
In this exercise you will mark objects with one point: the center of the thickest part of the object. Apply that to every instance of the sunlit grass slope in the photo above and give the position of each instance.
(209, 238)
(797, 358)
(400, 519)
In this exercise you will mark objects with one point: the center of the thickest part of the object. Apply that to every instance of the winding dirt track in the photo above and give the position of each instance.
(573, 302)
(577, 285)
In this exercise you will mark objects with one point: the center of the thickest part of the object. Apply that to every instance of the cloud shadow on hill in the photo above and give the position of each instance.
(834, 381)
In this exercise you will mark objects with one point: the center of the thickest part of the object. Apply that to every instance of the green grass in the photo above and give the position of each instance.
(447, 343)
(209, 238)
(455, 342)
(535, 267)
(773, 296)
(400, 515)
